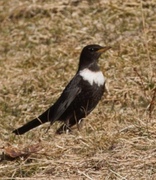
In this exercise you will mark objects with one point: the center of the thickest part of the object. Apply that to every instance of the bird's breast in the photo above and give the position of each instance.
(92, 77)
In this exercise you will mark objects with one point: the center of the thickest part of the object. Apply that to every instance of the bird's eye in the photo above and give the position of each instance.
(91, 49)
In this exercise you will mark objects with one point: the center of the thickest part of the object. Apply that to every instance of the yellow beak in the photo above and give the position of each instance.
(103, 49)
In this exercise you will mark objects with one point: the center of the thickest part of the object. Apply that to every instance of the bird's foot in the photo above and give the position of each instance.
(63, 129)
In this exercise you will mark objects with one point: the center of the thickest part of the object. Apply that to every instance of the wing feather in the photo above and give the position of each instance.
(64, 101)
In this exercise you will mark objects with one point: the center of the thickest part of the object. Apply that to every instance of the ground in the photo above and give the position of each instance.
(40, 43)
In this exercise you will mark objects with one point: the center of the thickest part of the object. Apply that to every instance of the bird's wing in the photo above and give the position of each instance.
(66, 98)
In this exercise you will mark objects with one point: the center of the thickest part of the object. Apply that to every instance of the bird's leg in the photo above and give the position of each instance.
(80, 124)
(65, 128)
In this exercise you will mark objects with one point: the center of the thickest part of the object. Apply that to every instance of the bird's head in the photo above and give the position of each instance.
(90, 55)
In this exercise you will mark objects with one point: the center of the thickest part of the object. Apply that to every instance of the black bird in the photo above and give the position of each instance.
(80, 96)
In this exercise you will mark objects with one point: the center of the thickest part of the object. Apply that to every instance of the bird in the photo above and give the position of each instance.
(79, 97)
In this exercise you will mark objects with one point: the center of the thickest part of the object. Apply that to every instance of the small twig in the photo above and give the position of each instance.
(151, 104)
(117, 174)
(141, 79)
(127, 128)
(136, 71)
(145, 42)
(87, 176)
(47, 129)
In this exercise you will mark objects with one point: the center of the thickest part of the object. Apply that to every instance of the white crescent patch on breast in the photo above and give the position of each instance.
(92, 77)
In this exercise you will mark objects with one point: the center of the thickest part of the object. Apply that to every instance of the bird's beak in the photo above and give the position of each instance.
(103, 49)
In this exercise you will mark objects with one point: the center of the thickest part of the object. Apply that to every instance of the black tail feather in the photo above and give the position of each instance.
(30, 125)
(43, 118)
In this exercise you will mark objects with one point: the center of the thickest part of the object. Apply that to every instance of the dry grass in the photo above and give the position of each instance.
(40, 42)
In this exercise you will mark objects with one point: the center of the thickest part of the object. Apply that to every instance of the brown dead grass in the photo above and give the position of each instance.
(40, 43)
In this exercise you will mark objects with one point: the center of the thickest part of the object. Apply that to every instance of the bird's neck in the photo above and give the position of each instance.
(92, 66)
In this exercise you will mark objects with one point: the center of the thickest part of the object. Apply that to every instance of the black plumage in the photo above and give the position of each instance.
(80, 96)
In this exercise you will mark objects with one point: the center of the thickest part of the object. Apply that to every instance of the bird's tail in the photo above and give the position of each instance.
(45, 117)
(30, 125)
